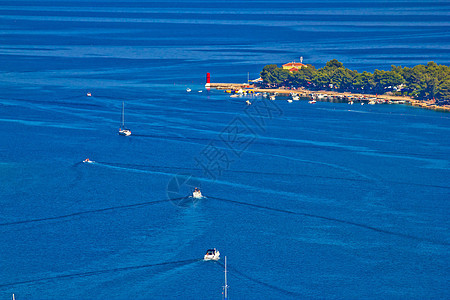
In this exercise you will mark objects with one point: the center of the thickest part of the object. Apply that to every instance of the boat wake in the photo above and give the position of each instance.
(236, 273)
(360, 225)
(174, 264)
(100, 210)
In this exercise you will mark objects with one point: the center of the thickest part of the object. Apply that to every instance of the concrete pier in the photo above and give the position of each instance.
(331, 96)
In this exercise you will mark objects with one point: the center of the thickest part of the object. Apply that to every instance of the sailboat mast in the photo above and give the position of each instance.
(123, 114)
(226, 286)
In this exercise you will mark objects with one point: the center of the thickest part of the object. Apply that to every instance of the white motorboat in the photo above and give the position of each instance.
(89, 94)
(88, 161)
(248, 102)
(296, 98)
(272, 97)
(197, 194)
(289, 100)
(188, 90)
(312, 101)
(124, 131)
(212, 254)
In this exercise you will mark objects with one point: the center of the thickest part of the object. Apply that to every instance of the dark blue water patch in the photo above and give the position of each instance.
(393, 51)
(33, 63)
(296, 15)
(232, 4)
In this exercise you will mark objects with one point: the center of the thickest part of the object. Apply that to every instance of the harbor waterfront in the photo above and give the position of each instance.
(331, 96)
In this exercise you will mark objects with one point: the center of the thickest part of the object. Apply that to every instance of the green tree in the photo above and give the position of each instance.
(363, 81)
(443, 90)
(268, 74)
(334, 64)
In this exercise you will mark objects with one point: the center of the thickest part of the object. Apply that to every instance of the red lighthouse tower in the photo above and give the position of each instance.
(208, 80)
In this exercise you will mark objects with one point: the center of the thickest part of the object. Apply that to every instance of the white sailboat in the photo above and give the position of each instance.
(124, 131)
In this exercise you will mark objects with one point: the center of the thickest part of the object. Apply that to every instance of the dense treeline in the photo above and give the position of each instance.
(422, 81)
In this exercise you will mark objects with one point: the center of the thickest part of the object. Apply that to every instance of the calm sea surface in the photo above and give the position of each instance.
(306, 201)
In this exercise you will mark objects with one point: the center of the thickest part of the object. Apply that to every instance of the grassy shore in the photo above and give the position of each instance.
(345, 96)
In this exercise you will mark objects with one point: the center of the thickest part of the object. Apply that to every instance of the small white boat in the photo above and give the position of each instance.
(200, 91)
(372, 102)
(296, 98)
(188, 90)
(312, 101)
(124, 131)
(248, 102)
(212, 254)
(272, 97)
(289, 100)
(197, 194)
(89, 94)
(88, 161)
(351, 102)
(362, 103)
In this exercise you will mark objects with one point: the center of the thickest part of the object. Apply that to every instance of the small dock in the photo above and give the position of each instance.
(328, 96)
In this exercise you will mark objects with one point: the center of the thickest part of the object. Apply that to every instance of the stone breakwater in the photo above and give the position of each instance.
(331, 96)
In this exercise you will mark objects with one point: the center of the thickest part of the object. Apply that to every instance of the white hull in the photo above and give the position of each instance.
(215, 256)
(125, 132)
(197, 195)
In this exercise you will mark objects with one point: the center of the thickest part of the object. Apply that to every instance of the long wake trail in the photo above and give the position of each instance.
(80, 213)
(99, 272)
(372, 228)
(271, 286)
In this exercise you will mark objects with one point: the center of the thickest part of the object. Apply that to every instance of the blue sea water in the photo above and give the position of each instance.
(306, 201)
